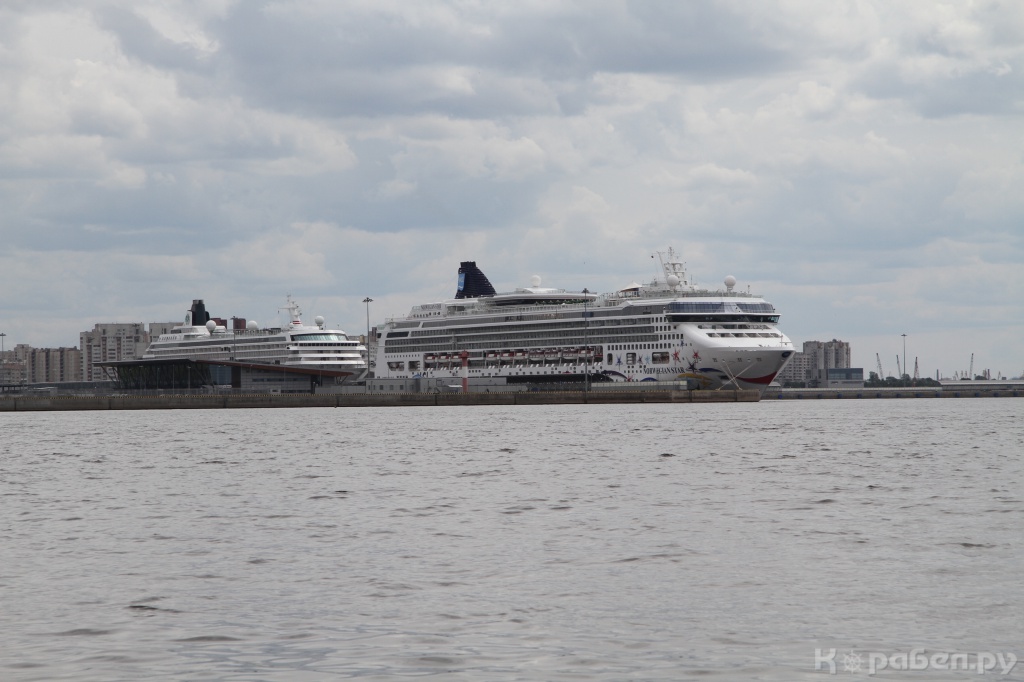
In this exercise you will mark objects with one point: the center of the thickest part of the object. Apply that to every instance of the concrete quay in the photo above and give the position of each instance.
(884, 393)
(214, 401)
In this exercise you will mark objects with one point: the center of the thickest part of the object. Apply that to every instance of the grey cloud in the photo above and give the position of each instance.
(140, 40)
(958, 93)
(80, 216)
(343, 65)
(442, 198)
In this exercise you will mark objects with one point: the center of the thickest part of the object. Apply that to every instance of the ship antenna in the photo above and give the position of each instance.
(673, 268)
(293, 310)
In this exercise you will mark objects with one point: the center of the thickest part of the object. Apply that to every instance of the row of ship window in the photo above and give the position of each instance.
(631, 358)
(744, 335)
(263, 348)
(577, 323)
(502, 335)
(634, 346)
(492, 340)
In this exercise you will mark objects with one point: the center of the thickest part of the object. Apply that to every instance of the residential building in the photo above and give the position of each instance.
(108, 343)
(795, 373)
(49, 365)
(12, 372)
(158, 328)
(811, 368)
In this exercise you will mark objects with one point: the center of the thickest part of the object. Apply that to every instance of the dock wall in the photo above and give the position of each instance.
(209, 402)
(44, 403)
(883, 393)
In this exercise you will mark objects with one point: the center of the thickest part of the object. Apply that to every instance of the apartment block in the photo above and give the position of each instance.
(110, 343)
(12, 372)
(49, 365)
(811, 367)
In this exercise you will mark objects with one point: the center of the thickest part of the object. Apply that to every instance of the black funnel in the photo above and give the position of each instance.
(472, 282)
(199, 315)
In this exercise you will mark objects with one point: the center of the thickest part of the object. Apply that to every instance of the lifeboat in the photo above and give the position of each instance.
(536, 355)
(430, 360)
(570, 354)
(552, 355)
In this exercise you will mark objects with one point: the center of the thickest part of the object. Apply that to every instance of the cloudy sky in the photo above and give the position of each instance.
(859, 163)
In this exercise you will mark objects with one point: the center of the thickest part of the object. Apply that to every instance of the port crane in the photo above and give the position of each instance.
(916, 373)
(881, 374)
(899, 370)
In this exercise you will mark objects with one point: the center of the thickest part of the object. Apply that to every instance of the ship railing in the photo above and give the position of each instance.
(571, 309)
(615, 299)
(506, 310)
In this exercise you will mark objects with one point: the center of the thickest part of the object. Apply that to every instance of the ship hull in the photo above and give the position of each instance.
(712, 369)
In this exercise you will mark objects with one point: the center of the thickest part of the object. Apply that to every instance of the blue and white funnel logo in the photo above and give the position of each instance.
(462, 281)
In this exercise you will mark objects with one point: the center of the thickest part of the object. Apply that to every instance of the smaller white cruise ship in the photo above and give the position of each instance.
(296, 348)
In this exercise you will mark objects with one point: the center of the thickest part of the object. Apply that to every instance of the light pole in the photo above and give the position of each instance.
(367, 301)
(586, 345)
(904, 356)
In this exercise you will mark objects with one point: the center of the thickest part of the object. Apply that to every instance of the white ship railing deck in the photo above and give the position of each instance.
(604, 302)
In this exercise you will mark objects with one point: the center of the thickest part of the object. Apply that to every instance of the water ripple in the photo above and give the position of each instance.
(656, 542)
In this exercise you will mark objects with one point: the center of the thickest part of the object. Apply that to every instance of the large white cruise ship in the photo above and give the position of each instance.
(667, 330)
(298, 348)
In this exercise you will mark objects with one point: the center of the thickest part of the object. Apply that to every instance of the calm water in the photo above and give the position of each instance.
(663, 542)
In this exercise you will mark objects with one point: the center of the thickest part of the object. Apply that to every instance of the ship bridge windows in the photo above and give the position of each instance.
(761, 308)
(720, 311)
(693, 307)
(720, 319)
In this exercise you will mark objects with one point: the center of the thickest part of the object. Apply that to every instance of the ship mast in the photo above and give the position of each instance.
(294, 313)
(672, 267)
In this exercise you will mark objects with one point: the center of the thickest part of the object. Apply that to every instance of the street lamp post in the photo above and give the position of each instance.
(904, 357)
(586, 345)
(367, 301)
